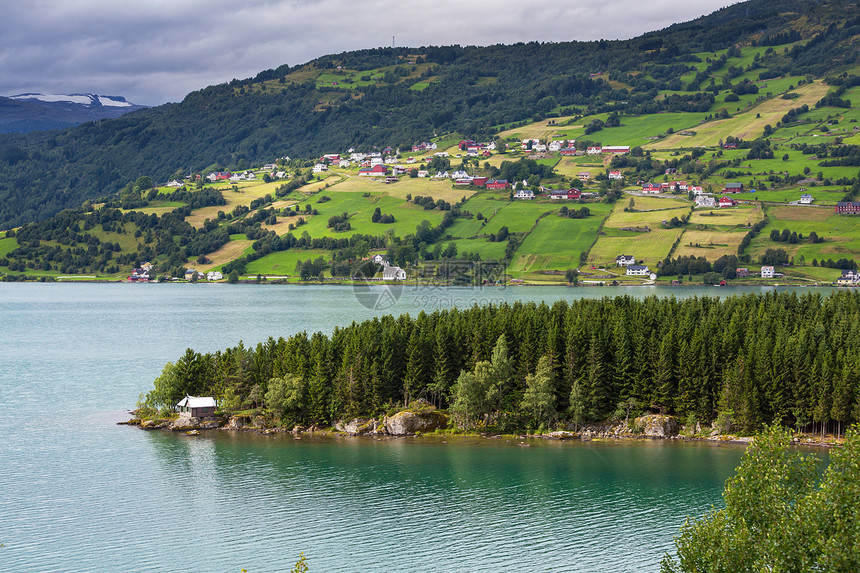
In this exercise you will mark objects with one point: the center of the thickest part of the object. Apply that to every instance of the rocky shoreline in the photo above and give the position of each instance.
(417, 423)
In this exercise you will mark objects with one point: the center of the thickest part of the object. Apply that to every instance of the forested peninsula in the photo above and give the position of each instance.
(735, 363)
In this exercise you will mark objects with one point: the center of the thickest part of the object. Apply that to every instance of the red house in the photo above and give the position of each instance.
(574, 193)
(733, 187)
(479, 181)
(568, 151)
(848, 207)
(726, 202)
(464, 144)
(615, 149)
(498, 184)
(375, 171)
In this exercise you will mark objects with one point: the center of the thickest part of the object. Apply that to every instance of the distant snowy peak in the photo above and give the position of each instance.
(93, 100)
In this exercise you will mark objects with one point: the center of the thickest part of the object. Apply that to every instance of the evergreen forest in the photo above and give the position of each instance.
(741, 362)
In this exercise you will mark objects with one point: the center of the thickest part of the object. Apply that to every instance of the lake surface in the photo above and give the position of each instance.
(79, 493)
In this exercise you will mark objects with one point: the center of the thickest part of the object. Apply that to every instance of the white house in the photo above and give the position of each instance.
(555, 145)
(174, 183)
(343, 163)
(320, 167)
(393, 273)
(806, 199)
(593, 151)
(380, 260)
(524, 194)
(459, 174)
(767, 272)
(214, 276)
(705, 201)
(615, 175)
(423, 173)
(376, 161)
(849, 277)
(638, 270)
(625, 260)
(270, 166)
(196, 407)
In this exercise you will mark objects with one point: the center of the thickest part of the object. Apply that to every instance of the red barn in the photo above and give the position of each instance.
(498, 184)
(479, 181)
(848, 207)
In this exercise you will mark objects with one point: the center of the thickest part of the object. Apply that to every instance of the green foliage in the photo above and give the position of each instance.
(539, 398)
(286, 396)
(479, 393)
(775, 518)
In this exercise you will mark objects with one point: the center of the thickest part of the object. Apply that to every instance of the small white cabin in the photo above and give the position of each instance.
(196, 407)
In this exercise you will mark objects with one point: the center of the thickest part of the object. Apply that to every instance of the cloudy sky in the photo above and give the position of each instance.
(154, 51)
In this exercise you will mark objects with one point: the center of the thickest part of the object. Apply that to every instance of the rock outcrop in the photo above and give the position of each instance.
(359, 426)
(657, 425)
(410, 422)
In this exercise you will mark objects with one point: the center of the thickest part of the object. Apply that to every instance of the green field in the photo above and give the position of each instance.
(649, 248)
(7, 245)
(284, 262)
(841, 233)
(556, 243)
(520, 216)
(488, 251)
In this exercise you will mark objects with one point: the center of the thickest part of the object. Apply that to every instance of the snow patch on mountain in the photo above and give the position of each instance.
(51, 98)
(81, 99)
(113, 101)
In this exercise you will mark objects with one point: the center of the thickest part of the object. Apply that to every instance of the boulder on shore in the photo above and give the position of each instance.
(358, 426)
(657, 425)
(410, 422)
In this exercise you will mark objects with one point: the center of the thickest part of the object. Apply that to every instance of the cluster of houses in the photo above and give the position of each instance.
(767, 272)
(701, 198)
(558, 194)
(141, 273)
(568, 147)
(191, 274)
(632, 269)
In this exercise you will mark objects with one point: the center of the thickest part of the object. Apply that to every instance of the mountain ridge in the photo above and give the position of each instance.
(30, 111)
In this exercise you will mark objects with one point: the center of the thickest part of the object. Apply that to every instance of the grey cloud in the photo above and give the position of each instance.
(158, 50)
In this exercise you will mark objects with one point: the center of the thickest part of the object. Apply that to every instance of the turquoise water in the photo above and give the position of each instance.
(79, 493)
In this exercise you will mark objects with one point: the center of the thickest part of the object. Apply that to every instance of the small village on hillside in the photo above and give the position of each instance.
(759, 188)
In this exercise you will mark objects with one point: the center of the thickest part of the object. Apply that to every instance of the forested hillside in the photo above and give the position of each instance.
(742, 361)
(404, 95)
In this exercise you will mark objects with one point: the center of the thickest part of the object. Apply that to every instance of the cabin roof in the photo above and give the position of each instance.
(197, 402)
